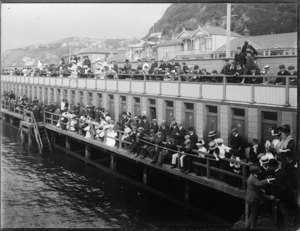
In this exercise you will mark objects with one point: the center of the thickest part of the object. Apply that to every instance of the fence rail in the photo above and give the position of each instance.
(222, 89)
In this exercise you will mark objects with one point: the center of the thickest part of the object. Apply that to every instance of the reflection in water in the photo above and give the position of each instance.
(57, 191)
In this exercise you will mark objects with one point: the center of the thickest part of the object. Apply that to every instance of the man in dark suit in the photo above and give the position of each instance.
(146, 125)
(226, 68)
(240, 57)
(154, 125)
(237, 142)
(154, 65)
(283, 71)
(293, 81)
(281, 188)
(254, 195)
(247, 47)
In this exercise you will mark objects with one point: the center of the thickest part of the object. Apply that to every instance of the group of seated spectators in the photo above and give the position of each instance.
(176, 145)
(168, 70)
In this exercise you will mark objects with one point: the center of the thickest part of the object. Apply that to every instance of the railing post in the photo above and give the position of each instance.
(179, 84)
(200, 91)
(130, 85)
(117, 83)
(105, 84)
(96, 82)
(87, 152)
(179, 155)
(120, 140)
(105, 136)
(160, 87)
(51, 119)
(287, 92)
(144, 84)
(246, 212)
(252, 94)
(86, 82)
(207, 168)
(224, 88)
(145, 176)
(113, 164)
(244, 177)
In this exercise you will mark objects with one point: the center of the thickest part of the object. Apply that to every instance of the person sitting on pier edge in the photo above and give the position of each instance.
(154, 125)
(253, 71)
(254, 195)
(135, 146)
(164, 129)
(144, 148)
(151, 150)
(185, 148)
(127, 67)
(200, 171)
(281, 81)
(231, 71)
(239, 70)
(166, 153)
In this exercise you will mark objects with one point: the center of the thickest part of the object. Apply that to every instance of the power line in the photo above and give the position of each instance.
(265, 9)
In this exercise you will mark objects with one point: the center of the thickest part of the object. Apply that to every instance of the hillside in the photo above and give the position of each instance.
(259, 18)
(53, 51)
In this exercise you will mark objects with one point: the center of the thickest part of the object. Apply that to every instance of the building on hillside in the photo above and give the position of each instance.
(199, 43)
(95, 53)
(141, 50)
(284, 44)
(168, 49)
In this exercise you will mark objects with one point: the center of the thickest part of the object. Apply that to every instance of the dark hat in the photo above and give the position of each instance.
(286, 128)
(212, 133)
(253, 68)
(281, 66)
(273, 163)
(254, 169)
(291, 67)
(144, 117)
(275, 132)
(126, 61)
(214, 72)
(234, 130)
(212, 145)
(226, 60)
(139, 117)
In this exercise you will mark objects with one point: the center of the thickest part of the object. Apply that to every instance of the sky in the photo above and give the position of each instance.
(28, 24)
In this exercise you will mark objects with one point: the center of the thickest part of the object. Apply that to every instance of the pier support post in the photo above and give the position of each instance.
(113, 164)
(246, 212)
(87, 152)
(22, 137)
(53, 138)
(145, 175)
(68, 146)
(29, 138)
(11, 120)
(186, 192)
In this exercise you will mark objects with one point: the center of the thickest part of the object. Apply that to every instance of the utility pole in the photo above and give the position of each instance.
(228, 31)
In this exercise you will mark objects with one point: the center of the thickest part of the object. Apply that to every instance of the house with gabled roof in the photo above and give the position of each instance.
(266, 45)
(141, 50)
(198, 43)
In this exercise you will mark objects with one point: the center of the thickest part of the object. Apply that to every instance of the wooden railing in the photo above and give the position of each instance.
(50, 119)
(223, 90)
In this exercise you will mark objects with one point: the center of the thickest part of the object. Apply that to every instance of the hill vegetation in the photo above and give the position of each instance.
(260, 18)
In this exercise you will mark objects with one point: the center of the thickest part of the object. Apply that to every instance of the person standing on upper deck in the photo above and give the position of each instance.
(240, 57)
(153, 65)
(247, 47)
(281, 81)
(249, 62)
(87, 61)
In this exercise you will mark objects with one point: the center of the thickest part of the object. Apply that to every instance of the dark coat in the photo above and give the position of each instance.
(165, 131)
(282, 80)
(146, 126)
(154, 127)
(226, 70)
(240, 58)
(254, 193)
(152, 67)
(194, 138)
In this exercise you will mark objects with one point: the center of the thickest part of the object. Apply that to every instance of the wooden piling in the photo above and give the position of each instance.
(68, 146)
(11, 120)
(246, 212)
(113, 164)
(87, 153)
(186, 192)
(145, 174)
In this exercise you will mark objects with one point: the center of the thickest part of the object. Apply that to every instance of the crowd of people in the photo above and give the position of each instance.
(273, 165)
(168, 70)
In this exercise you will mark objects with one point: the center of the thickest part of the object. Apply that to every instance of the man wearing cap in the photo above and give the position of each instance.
(281, 81)
(127, 67)
(239, 57)
(154, 125)
(193, 135)
(146, 125)
(153, 65)
(249, 63)
(267, 71)
(185, 68)
(212, 135)
(164, 129)
(226, 68)
(293, 81)
(237, 141)
(247, 47)
(170, 145)
(254, 195)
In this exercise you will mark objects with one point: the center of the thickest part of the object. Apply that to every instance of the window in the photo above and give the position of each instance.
(81, 97)
(152, 101)
(169, 111)
(212, 109)
(189, 115)
(238, 112)
(269, 121)
(137, 100)
(41, 92)
(169, 103)
(52, 95)
(99, 100)
(65, 94)
(90, 98)
(137, 106)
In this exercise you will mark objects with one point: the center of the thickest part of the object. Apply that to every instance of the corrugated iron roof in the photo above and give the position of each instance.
(284, 40)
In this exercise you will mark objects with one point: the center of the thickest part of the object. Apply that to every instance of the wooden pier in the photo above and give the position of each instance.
(110, 159)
